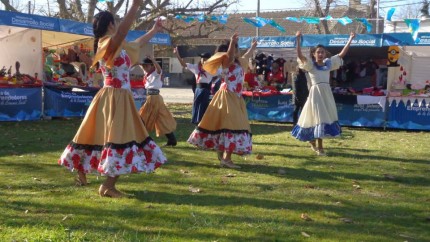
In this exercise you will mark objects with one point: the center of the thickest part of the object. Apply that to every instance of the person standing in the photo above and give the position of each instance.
(203, 85)
(112, 139)
(319, 119)
(154, 112)
(300, 91)
(225, 126)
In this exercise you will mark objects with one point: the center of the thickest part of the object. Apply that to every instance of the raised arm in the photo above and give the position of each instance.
(231, 52)
(124, 26)
(346, 47)
(251, 50)
(298, 46)
(183, 64)
(156, 65)
(144, 39)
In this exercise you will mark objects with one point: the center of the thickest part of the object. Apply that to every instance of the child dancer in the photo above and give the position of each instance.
(154, 112)
(225, 126)
(318, 119)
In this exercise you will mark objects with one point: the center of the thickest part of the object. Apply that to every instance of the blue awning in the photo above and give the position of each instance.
(331, 40)
(66, 26)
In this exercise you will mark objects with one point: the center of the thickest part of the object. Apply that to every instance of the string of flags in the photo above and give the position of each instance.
(413, 24)
(222, 19)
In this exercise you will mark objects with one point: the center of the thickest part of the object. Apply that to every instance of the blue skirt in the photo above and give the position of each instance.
(320, 131)
(200, 104)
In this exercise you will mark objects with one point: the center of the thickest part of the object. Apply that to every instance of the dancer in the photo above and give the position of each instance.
(203, 85)
(319, 119)
(112, 138)
(225, 126)
(301, 92)
(154, 112)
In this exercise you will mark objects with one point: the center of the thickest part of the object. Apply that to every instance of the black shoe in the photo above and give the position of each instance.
(171, 140)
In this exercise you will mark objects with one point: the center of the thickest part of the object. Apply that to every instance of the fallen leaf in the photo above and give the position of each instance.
(406, 236)
(26, 211)
(306, 234)
(230, 175)
(193, 189)
(36, 179)
(346, 220)
(224, 180)
(259, 157)
(184, 171)
(389, 177)
(356, 186)
(309, 186)
(305, 217)
(65, 217)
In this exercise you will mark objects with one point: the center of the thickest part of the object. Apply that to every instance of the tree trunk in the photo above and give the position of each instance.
(8, 6)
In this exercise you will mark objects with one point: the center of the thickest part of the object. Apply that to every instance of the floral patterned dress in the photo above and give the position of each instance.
(225, 125)
(112, 139)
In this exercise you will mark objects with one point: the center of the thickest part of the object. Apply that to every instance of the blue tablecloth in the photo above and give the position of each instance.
(19, 104)
(279, 108)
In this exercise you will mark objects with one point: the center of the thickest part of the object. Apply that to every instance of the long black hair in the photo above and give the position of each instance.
(101, 23)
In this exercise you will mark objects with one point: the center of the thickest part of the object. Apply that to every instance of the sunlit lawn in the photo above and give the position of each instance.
(373, 186)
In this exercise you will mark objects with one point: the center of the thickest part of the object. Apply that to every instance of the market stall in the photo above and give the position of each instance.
(355, 107)
(39, 45)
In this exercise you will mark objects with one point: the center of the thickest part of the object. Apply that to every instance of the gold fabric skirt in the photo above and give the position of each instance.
(224, 126)
(156, 116)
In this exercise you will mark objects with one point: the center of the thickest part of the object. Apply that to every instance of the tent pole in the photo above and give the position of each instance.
(258, 15)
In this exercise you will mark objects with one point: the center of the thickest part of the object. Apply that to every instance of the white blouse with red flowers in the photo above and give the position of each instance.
(233, 79)
(119, 75)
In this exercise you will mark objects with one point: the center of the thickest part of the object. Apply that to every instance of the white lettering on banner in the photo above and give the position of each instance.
(88, 31)
(7, 99)
(367, 108)
(343, 41)
(74, 98)
(274, 43)
(424, 40)
(30, 22)
(283, 103)
(260, 103)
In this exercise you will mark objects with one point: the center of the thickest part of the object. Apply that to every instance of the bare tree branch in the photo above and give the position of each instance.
(8, 6)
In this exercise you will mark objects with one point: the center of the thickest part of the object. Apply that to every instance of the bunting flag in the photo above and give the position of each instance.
(328, 17)
(414, 26)
(344, 20)
(277, 26)
(186, 19)
(254, 22)
(222, 19)
(311, 20)
(201, 18)
(105, 1)
(294, 19)
(390, 14)
(365, 23)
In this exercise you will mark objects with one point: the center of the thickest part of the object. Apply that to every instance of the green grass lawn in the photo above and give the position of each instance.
(373, 186)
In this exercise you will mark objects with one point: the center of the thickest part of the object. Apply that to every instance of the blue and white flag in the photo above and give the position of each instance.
(390, 14)
(294, 19)
(414, 26)
(365, 23)
(344, 20)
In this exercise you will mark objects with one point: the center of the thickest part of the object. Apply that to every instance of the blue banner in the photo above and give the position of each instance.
(407, 116)
(361, 115)
(28, 21)
(277, 108)
(67, 26)
(159, 38)
(361, 40)
(18, 104)
(405, 39)
(66, 103)
(73, 27)
(268, 42)
(139, 96)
